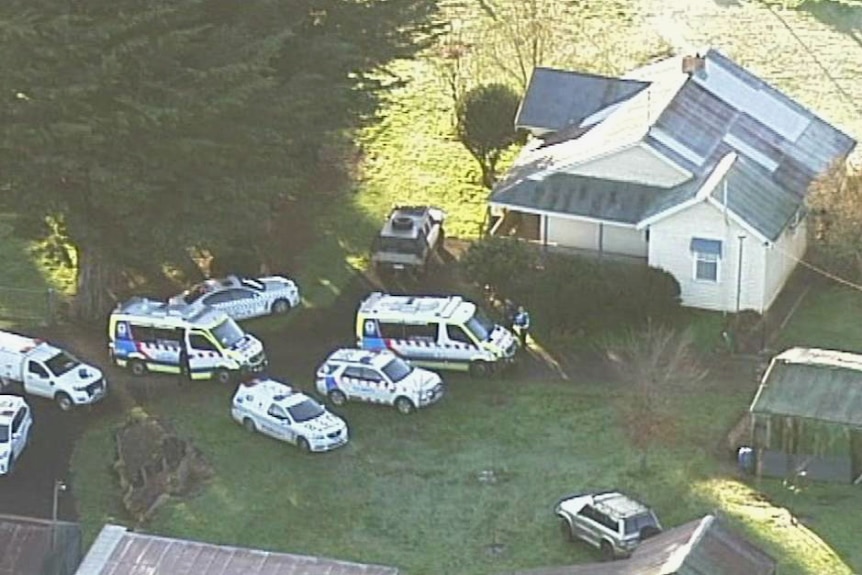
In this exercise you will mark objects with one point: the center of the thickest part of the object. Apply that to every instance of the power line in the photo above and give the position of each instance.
(819, 270)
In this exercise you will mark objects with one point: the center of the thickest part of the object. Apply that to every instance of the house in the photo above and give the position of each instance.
(31, 546)
(690, 164)
(806, 417)
(701, 547)
(118, 551)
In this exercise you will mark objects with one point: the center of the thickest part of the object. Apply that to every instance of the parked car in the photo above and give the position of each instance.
(609, 521)
(241, 297)
(275, 409)
(16, 419)
(377, 377)
(408, 239)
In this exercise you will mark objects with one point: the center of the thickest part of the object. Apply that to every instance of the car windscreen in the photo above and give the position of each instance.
(397, 369)
(62, 363)
(4, 433)
(308, 409)
(228, 333)
(412, 246)
(635, 523)
(480, 325)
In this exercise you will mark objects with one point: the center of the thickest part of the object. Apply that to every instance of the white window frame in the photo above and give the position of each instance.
(700, 257)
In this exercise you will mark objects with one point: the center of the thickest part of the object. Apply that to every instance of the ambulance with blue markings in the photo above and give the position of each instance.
(443, 332)
(150, 336)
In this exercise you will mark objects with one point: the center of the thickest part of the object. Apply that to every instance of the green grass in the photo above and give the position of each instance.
(406, 491)
(828, 318)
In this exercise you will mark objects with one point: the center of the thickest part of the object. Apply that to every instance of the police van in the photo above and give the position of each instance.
(148, 336)
(16, 419)
(445, 332)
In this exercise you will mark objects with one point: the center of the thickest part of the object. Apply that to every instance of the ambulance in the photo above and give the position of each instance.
(147, 336)
(42, 369)
(443, 332)
(16, 419)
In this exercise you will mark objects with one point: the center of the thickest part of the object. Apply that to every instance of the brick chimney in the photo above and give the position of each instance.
(691, 64)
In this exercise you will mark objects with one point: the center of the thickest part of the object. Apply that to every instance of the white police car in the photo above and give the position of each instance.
(16, 419)
(378, 377)
(243, 298)
(275, 409)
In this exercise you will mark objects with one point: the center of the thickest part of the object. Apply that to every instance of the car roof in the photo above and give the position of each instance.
(353, 356)
(618, 504)
(174, 315)
(270, 390)
(425, 308)
(406, 221)
(9, 406)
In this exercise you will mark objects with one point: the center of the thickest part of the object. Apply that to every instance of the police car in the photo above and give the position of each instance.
(277, 410)
(243, 298)
(377, 377)
(16, 419)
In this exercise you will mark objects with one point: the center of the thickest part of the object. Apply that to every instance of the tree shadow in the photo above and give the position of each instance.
(840, 16)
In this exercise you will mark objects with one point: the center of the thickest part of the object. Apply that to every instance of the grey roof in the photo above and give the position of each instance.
(782, 147)
(117, 551)
(709, 548)
(556, 99)
(816, 384)
(25, 545)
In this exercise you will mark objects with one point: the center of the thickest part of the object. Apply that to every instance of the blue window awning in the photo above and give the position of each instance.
(704, 246)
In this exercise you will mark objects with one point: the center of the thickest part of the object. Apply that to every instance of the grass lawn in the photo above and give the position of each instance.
(406, 491)
(829, 318)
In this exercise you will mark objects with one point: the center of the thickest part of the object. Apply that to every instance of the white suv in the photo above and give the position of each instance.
(409, 239)
(377, 377)
(16, 419)
(277, 410)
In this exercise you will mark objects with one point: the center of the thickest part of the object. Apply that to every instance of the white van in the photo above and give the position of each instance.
(48, 371)
(16, 419)
(148, 336)
(446, 332)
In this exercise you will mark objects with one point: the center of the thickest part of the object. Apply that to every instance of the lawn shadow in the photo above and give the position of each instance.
(840, 16)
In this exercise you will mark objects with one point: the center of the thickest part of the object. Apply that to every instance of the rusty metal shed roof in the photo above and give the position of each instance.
(25, 545)
(117, 551)
(819, 384)
(701, 547)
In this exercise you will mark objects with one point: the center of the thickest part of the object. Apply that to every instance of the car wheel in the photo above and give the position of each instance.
(222, 376)
(404, 406)
(137, 367)
(64, 402)
(607, 551)
(249, 425)
(480, 369)
(280, 306)
(302, 444)
(337, 397)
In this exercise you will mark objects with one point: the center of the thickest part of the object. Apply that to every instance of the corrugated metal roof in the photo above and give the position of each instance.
(556, 99)
(25, 543)
(816, 384)
(701, 547)
(694, 121)
(119, 552)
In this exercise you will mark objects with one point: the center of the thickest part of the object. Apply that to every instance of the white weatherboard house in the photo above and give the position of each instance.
(692, 164)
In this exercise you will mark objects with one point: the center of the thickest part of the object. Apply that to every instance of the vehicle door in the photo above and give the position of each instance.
(204, 354)
(277, 424)
(353, 384)
(381, 390)
(422, 341)
(459, 346)
(20, 431)
(588, 525)
(37, 379)
(246, 303)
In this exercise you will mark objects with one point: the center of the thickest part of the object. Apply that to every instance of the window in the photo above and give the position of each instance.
(226, 296)
(370, 375)
(594, 514)
(421, 331)
(455, 333)
(397, 369)
(276, 411)
(18, 420)
(198, 341)
(391, 330)
(142, 333)
(353, 372)
(62, 363)
(305, 411)
(4, 433)
(36, 369)
(707, 255)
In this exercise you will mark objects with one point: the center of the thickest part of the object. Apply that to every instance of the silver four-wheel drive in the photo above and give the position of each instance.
(409, 239)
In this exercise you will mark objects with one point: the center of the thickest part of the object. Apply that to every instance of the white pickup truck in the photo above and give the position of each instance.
(48, 371)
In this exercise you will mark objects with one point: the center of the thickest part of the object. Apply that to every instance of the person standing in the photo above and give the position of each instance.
(521, 325)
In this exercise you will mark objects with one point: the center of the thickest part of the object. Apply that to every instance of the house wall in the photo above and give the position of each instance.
(781, 259)
(635, 164)
(625, 241)
(669, 249)
(610, 239)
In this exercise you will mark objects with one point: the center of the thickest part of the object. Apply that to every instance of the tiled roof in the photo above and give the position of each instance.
(117, 551)
(25, 545)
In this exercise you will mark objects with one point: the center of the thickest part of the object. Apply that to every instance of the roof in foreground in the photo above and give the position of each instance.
(819, 384)
(701, 547)
(117, 551)
(25, 543)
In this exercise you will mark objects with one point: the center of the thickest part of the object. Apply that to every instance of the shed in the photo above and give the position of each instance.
(701, 547)
(118, 551)
(31, 546)
(807, 416)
